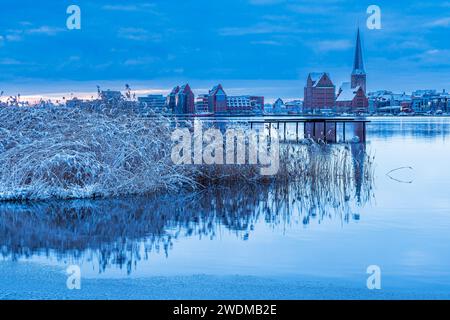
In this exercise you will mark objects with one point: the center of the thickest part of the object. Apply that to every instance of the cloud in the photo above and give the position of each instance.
(45, 30)
(9, 62)
(444, 22)
(140, 61)
(317, 9)
(119, 7)
(267, 43)
(332, 45)
(266, 2)
(138, 34)
(144, 7)
(13, 37)
(260, 28)
(16, 35)
(435, 57)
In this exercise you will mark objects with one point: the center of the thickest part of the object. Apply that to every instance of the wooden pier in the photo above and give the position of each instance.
(318, 128)
(324, 129)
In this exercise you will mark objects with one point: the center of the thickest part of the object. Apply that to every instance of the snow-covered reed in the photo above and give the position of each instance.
(74, 153)
(59, 152)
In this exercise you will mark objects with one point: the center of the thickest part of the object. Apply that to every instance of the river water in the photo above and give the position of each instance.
(245, 242)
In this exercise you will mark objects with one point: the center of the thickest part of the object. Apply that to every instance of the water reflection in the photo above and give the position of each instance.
(418, 128)
(122, 232)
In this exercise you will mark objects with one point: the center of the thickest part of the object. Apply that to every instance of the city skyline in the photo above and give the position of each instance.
(153, 45)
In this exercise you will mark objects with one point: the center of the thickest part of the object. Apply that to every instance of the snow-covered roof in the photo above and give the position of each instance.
(317, 76)
(347, 93)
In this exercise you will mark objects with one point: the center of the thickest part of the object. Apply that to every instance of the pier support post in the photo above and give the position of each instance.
(330, 132)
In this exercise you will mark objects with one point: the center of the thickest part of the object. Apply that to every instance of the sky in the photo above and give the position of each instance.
(265, 47)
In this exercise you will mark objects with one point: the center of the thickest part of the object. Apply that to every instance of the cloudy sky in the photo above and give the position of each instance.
(257, 46)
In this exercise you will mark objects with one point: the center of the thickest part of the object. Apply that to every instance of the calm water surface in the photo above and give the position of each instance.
(247, 242)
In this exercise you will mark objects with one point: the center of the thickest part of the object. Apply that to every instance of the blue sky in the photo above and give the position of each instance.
(263, 46)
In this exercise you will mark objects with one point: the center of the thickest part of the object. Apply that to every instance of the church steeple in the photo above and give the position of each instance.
(358, 74)
(358, 65)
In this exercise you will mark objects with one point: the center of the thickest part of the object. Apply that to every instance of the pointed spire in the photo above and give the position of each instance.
(358, 66)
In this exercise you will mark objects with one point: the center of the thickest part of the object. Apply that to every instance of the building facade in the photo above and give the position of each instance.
(156, 102)
(217, 99)
(352, 100)
(319, 93)
(359, 77)
(352, 96)
(245, 104)
(181, 100)
(201, 103)
(172, 98)
(110, 96)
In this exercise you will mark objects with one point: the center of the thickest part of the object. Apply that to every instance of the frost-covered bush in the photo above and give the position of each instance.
(74, 153)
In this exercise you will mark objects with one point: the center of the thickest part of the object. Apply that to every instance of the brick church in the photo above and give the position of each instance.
(320, 92)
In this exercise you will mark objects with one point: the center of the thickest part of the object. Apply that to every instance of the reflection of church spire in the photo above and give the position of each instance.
(358, 154)
(358, 74)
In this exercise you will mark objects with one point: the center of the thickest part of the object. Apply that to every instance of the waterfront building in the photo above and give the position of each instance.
(351, 100)
(359, 77)
(384, 101)
(245, 104)
(239, 104)
(73, 103)
(278, 104)
(171, 99)
(185, 100)
(201, 103)
(424, 101)
(352, 96)
(443, 102)
(156, 102)
(181, 100)
(217, 99)
(110, 96)
(258, 103)
(319, 93)
(294, 106)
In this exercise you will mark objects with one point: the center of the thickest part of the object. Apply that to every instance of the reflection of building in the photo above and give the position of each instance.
(319, 92)
(359, 154)
(181, 100)
(217, 99)
(156, 102)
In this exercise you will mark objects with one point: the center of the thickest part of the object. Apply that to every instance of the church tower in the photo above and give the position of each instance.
(358, 74)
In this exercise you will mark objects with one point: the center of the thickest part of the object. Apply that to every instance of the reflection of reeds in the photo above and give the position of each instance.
(121, 232)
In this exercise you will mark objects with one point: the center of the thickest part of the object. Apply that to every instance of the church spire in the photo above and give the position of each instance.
(358, 66)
